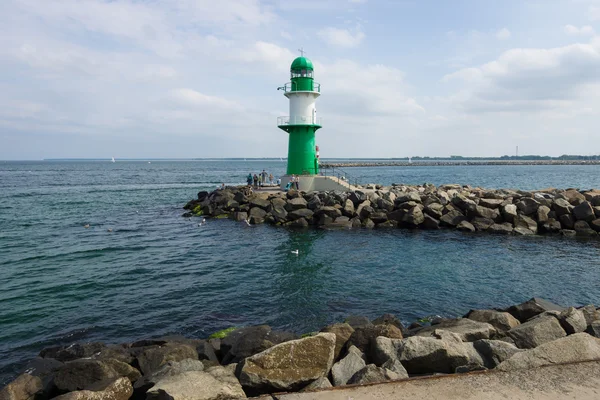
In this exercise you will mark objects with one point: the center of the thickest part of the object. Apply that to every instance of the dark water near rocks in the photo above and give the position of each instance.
(158, 273)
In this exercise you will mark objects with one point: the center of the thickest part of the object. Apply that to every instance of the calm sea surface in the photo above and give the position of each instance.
(157, 273)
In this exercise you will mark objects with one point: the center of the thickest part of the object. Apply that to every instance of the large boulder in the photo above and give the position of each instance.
(500, 320)
(562, 207)
(504, 228)
(349, 209)
(321, 383)
(582, 228)
(288, 366)
(73, 351)
(118, 389)
(413, 217)
(572, 321)
(509, 212)
(491, 203)
(532, 307)
(536, 332)
(390, 319)
(251, 340)
(374, 374)
(257, 215)
(300, 213)
(261, 203)
(484, 212)
(342, 333)
(25, 387)
(584, 212)
(152, 358)
(574, 348)
(83, 374)
(343, 370)
(528, 206)
(523, 221)
(495, 352)
(364, 336)
(590, 313)
(482, 224)
(169, 369)
(465, 226)
(466, 329)
(295, 204)
(217, 383)
(431, 223)
(452, 218)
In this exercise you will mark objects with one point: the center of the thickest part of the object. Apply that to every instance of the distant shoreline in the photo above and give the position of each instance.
(447, 163)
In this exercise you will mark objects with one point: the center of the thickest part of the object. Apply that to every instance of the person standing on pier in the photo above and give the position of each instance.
(271, 179)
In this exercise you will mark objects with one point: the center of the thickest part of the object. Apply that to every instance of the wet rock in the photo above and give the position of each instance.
(465, 226)
(574, 348)
(299, 223)
(301, 213)
(342, 334)
(536, 332)
(504, 228)
(431, 223)
(245, 342)
(373, 374)
(572, 321)
(522, 221)
(567, 221)
(467, 330)
(502, 321)
(123, 369)
(117, 389)
(25, 387)
(531, 308)
(481, 224)
(551, 226)
(344, 369)
(257, 215)
(495, 352)
(528, 205)
(217, 383)
(153, 358)
(582, 228)
(83, 374)
(452, 218)
(288, 366)
(595, 225)
(379, 217)
(413, 217)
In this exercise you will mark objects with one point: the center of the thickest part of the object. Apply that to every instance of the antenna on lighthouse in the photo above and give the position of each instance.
(301, 50)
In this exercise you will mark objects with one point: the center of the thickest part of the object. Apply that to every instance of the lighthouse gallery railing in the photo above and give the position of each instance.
(288, 88)
(299, 120)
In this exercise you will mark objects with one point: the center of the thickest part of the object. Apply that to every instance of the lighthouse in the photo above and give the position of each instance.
(302, 123)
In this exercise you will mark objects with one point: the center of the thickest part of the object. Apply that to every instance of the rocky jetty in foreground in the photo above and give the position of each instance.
(243, 362)
(568, 212)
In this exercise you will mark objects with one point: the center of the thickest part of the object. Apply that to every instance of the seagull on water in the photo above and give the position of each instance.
(109, 229)
(86, 226)
(295, 252)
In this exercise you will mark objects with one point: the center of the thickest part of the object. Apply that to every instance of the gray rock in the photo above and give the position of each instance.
(342, 333)
(475, 361)
(594, 329)
(356, 321)
(465, 226)
(551, 226)
(528, 205)
(344, 369)
(413, 217)
(572, 321)
(379, 217)
(117, 389)
(357, 197)
(82, 374)
(300, 213)
(288, 366)
(368, 224)
(431, 223)
(490, 203)
(248, 341)
(466, 329)
(452, 218)
(171, 368)
(442, 352)
(434, 210)
(484, 212)
(509, 212)
(349, 209)
(321, 383)
(536, 332)
(395, 366)
(390, 319)
(261, 203)
(522, 221)
(582, 228)
(532, 307)
(584, 212)
(502, 321)
(567, 221)
(463, 203)
(504, 228)
(595, 225)
(590, 313)
(568, 232)
(296, 204)
(257, 215)
(411, 196)
(482, 224)
(299, 223)
(25, 387)
(153, 358)
(385, 205)
(328, 211)
(562, 207)
(574, 348)
(542, 214)
(363, 337)
(218, 383)
(373, 374)
(73, 351)
(520, 231)
(495, 352)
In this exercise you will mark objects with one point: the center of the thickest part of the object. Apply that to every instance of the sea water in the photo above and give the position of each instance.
(157, 273)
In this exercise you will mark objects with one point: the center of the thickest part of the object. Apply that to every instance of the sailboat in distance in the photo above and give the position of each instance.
(113, 160)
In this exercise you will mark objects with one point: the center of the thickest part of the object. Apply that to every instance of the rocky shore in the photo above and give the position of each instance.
(567, 212)
(243, 362)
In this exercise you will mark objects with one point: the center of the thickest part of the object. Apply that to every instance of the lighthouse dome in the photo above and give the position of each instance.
(302, 63)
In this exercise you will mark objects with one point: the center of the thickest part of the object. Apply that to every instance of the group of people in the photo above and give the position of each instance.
(294, 183)
(260, 180)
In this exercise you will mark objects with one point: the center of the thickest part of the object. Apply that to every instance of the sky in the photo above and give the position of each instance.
(199, 78)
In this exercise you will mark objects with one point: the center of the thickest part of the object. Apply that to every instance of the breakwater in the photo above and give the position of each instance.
(567, 212)
(442, 163)
(237, 363)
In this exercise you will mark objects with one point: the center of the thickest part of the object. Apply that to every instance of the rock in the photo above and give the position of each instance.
(562, 207)
(123, 369)
(431, 223)
(356, 321)
(528, 205)
(443, 352)
(413, 217)
(520, 231)
(465, 226)
(300, 213)
(384, 204)
(390, 319)
(169, 369)
(348, 209)
(572, 321)
(463, 203)
(118, 389)
(321, 383)
(83, 374)
(218, 383)
(475, 361)
(504, 228)
(373, 374)
(342, 334)
(395, 366)
(483, 212)
(481, 224)
(584, 212)
(404, 198)
(279, 213)
(256, 215)
(568, 232)
(299, 223)
(574, 348)
(368, 224)
(344, 369)
(567, 221)
(466, 329)
(594, 329)
(551, 226)
(25, 387)
(502, 321)
(295, 204)
(362, 205)
(590, 313)
(582, 228)
(379, 217)
(364, 336)
(595, 225)
(357, 197)
(288, 366)
(328, 211)
(240, 216)
(452, 218)
(536, 332)
(522, 221)
(531, 308)
(490, 203)
(573, 196)
(509, 212)
(153, 358)
(495, 352)
(314, 203)
(542, 214)
(73, 351)
(251, 340)
(434, 210)
(261, 203)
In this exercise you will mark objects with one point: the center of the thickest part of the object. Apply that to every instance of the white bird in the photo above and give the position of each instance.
(203, 221)
(86, 226)
(247, 222)
(295, 252)
(109, 229)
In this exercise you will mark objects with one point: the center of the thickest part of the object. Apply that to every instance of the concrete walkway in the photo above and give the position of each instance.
(555, 382)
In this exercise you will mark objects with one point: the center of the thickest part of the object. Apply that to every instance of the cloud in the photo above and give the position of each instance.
(503, 34)
(594, 13)
(586, 30)
(193, 98)
(341, 37)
